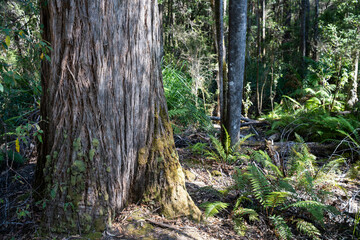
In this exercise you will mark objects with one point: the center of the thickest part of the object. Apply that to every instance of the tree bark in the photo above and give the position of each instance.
(237, 47)
(107, 136)
(287, 34)
(353, 93)
(304, 28)
(316, 32)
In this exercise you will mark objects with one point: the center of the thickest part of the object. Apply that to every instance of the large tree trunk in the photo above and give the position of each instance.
(237, 47)
(107, 136)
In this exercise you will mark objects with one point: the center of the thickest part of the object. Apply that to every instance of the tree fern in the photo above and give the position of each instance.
(282, 229)
(213, 208)
(308, 229)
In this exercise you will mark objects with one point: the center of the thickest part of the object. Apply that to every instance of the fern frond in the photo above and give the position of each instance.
(308, 204)
(281, 227)
(239, 226)
(315, 208)
(243, 197)
(263, 158)
(253, 215)
(260, 185)
(285, 185)
(240, 142)
(212, 208)
(227, 142)
(332, 166)
(275, 199)
(308, 229)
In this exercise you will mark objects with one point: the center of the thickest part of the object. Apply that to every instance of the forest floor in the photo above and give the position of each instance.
(204, 180)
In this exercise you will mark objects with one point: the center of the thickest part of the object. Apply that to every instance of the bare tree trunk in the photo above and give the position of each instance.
(353, 94)
(107, 136)
(263, 8)
(304, 28)
(287, 23)
(258, 62)
(316, 32)
(237, 47)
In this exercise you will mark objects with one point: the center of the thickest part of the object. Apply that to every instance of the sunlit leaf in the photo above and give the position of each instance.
(17, 145)
(7, 40)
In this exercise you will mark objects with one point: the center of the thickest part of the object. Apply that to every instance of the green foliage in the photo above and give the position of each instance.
(198, 148)
(281, 227)
(241, 212)
(278, 196)
(22, 51)
(312, 124)
(14, 159)
(356, 230)
(213, 208)
(224, 152)
(308, 229)
(185, 108)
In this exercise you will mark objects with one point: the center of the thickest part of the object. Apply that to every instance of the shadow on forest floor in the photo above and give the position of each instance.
(204, 181)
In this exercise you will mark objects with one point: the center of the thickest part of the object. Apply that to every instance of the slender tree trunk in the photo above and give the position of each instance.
(353, 93)
(316, 32)
(304, 49)
(287, 34)
(258, 62)
(107, 136)
(263, 8)
(237, 47)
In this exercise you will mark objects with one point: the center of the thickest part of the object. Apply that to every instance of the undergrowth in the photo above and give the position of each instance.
(185, 108)
(292, 200)
(313, 123)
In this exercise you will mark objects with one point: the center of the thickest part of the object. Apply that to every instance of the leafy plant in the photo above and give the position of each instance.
(356, 231)
(185, 107)
(225, 153)
(198, 148)
(213, 208)
(282, 229)
(279, 196)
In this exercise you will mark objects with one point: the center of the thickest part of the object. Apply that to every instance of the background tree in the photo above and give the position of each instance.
(237, 47)
(107, 137)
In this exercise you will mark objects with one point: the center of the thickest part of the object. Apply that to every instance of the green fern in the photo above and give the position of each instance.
(253, 215)
(275, 199)
(213, 208)
(260, 185)
(239, 226)
(308, 229)
(282, 229)
(263, 158)
(225, 153)
(315, 208)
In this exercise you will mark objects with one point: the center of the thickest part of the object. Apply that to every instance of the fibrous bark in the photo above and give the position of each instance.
(107, 137)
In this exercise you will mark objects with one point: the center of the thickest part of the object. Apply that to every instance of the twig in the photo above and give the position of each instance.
(163, 225)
